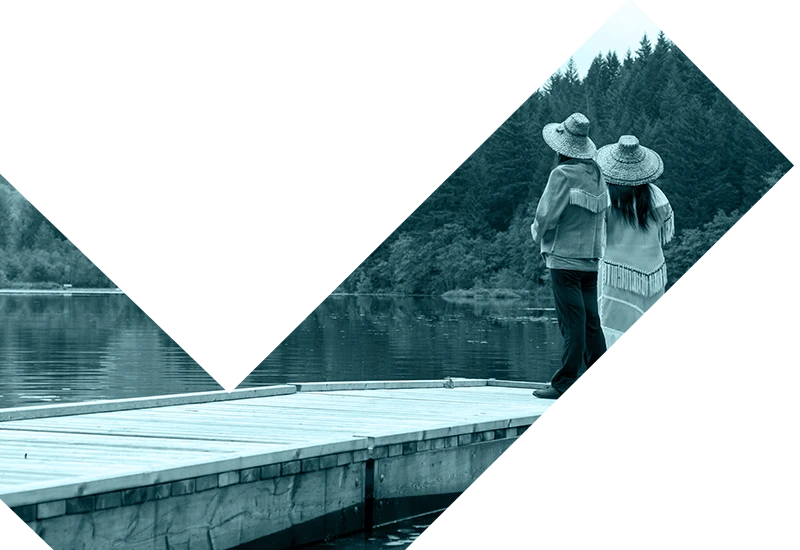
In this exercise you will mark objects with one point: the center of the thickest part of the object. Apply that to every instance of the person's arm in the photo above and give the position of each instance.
(666, 229)
(553, 202)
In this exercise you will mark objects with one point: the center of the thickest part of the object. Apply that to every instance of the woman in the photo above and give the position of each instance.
(633, 274)
(570, 227)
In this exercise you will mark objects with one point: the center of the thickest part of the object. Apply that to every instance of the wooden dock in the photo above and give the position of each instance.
(282, 465)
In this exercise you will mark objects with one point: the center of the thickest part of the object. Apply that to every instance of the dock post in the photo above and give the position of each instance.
(369, 494)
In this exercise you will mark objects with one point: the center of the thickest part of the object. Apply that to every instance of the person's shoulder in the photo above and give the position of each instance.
(560, 173)
(658, 197)
(572, 169)
(577, 164)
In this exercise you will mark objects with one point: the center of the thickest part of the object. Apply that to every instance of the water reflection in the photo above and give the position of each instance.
(365, 338)
(59, 349)
(405, 533)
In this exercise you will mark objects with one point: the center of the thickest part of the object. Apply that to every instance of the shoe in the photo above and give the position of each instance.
(547, 393)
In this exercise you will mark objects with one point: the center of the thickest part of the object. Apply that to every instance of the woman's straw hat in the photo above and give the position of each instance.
(628, 163)
(571, 137)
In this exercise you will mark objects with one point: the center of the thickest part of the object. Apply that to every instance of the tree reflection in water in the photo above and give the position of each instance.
(66, 349)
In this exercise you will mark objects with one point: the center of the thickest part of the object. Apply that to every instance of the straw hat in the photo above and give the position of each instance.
(571, 137)
(628, 163)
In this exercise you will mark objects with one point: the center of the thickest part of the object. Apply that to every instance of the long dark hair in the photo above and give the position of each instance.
(633, 204)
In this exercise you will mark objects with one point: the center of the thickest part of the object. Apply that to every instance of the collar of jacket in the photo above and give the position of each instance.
(586, 176)
(578, 161)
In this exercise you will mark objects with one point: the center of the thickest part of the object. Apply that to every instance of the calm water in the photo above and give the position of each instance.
(65, 349)
(405, 534)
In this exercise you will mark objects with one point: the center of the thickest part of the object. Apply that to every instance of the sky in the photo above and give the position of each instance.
(583, 28)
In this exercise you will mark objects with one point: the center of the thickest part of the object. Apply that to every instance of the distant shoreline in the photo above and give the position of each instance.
(482, 295)
(499, 294)
(59, 291)
(472, 296)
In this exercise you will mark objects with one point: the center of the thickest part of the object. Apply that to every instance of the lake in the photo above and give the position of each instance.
(405, 533)
(56, 348)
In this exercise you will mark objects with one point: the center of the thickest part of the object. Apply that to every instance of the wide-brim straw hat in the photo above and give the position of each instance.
(571, 137)
(628, 163)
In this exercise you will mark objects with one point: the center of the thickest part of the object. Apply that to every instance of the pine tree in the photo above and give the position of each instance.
(571, 73)
(618, 105)
(568, 93)
(628, 62)
(696, 175)
(593, 89)
(694, 79)
(645, 48)
(671, 101)
(613, 65)
(593, 80)
(733, 155)
(552, 83)
(662, 43)
(633, 114)
(507, 179)
(656, 76)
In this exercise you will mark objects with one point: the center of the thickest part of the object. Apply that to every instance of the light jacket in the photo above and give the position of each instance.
(570, 217)
(634, 260)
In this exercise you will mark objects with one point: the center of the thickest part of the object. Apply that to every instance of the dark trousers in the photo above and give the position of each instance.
(576, 308)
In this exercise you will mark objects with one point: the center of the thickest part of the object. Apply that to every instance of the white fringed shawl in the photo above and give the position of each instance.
(632, 274)
(634, 260)
(667, 230)
(626, 277)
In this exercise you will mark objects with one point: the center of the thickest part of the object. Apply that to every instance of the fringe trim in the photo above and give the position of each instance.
(593, 203)
(625, 277)
(658, 197)
(634, 307)
(667, 230)
(611, 335)
(617, 334)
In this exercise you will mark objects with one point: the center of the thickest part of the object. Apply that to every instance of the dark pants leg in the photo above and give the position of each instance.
(575, 295)
(595, 341)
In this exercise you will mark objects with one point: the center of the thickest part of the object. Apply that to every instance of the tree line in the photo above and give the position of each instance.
(473, 232)
(34, 253)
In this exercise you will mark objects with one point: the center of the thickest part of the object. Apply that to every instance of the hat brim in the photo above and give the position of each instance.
(561, 141)
(616, 172)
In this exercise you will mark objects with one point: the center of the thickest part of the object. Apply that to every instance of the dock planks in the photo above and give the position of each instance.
(81, 453)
